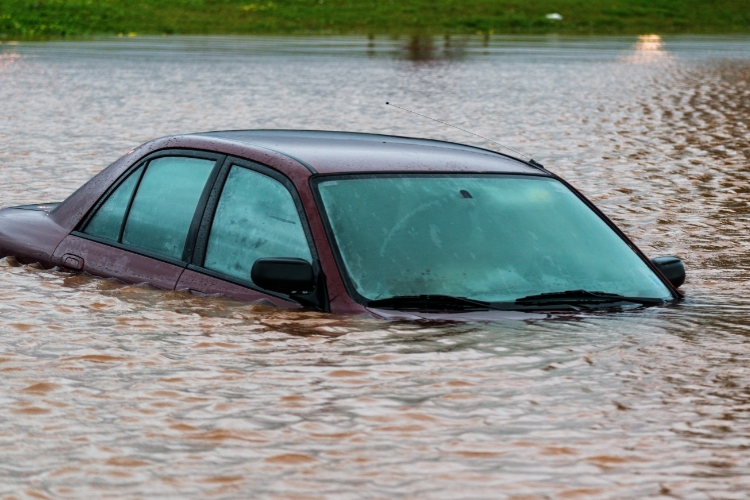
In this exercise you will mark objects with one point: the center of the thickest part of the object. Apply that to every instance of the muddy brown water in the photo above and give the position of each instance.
(113, 391)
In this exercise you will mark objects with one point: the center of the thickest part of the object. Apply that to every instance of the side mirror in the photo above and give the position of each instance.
(284, 275)
(672, 268)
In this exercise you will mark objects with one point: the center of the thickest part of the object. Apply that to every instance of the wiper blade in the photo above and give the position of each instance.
(431, 303)
(581, 297)
(572, 299)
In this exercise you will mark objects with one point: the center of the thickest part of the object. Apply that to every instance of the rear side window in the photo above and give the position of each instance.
(256, 218)
(163, 207)
(107, 222)
(153, 210)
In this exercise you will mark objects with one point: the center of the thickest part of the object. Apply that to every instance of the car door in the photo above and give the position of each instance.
(253, 212)
(142, 230)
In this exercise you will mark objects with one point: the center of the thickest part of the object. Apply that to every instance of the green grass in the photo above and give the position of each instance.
(41, 18)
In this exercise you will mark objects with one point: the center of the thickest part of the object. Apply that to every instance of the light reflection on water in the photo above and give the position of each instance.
(649, 50)
(126, 391)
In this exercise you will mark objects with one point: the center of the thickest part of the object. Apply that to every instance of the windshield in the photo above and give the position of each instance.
(491, 238)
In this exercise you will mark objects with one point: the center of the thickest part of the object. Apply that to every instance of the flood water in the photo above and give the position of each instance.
(113, 391)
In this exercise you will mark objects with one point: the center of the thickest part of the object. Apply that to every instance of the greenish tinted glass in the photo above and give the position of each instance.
(107, 221)
(492, 238)
(164, 206)
(256, 218)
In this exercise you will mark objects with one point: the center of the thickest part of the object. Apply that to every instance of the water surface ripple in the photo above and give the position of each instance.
(113, 391)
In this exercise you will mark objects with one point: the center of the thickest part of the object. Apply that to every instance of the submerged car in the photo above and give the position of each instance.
(346, 223)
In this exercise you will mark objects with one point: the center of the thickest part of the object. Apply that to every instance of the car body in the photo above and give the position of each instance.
(343, 222)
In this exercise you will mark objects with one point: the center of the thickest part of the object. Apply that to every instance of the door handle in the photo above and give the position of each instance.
(72, 261)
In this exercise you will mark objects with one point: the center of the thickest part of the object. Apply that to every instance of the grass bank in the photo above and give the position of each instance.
(41, 18)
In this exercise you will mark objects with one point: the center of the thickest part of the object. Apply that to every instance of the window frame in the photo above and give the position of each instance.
(203, 232)
(219, 161)
(196, 243)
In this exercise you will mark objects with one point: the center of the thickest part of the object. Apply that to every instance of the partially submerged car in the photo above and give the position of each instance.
(344, 222)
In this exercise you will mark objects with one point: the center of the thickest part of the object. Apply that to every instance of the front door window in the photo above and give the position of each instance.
(256, 218)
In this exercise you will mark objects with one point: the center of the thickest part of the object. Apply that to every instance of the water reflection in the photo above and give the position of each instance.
(649, 50)
(422, 48)
(128, 391)
(419, 47)
(8, 59)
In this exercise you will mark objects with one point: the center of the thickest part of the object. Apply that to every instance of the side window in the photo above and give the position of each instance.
(157, 216)
(107, 222)
(256, 218)
(163, 207)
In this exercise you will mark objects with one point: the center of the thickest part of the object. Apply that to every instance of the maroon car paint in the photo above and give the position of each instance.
(103, 260)
(29, 235)
(193, 281)
(44, 237)
(358, 156)
(34, 236)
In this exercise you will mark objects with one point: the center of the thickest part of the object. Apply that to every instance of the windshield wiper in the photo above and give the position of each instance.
(431, 303)
(583, 297)
(572, 299)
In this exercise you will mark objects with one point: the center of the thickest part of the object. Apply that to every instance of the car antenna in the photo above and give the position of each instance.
(530, 160)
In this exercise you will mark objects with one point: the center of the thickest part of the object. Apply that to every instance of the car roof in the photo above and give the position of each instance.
(328, 152)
